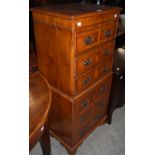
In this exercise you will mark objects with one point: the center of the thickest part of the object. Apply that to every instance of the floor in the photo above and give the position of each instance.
(105, 140)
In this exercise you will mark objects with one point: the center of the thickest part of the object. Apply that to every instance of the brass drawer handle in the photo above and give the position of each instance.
(82, 132)
(106, 52)
(98, 117)
(103, 88)
(82, 119)
(100, 103)
(108, 33)
(88, 61)
(85, 103)
(105, 69)
(88, 40)
(87, 80)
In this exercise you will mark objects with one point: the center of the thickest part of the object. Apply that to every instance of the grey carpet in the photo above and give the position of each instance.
(105, 140)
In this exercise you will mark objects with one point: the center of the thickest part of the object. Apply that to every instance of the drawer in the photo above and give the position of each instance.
(108, 31)
(101, 103)
(106, 51)
(86, 39)
(85, 81)
(81, 133)
(93, 57)
(100, 109)
(83, 124)
(104, 88)
(83, 104)
(86, 62)
(96, 19)
(105, 68)
(91, 77)
(83, 119)
(91, 36)
(98, 116)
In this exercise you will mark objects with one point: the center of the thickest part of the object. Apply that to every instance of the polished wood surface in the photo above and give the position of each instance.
(94, 35)
(64, 114)
(106, 51)
(39, 105)
(76, 10)
(55, 55)
(75, 45)
(87, 39)
(86, 62)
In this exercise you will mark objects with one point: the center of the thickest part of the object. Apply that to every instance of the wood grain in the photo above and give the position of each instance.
(75, 45)
(39, 105)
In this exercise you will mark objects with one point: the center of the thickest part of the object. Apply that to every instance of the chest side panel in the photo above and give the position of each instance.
(55, 54)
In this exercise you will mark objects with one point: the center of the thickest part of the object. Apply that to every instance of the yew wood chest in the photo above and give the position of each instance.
(74, 44)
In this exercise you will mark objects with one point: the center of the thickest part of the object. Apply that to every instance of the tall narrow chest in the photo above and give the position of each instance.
(75, 44)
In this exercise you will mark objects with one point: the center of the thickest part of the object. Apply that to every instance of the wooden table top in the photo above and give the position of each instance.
(39, 102)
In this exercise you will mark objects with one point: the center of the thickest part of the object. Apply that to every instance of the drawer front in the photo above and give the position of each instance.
(90, 37)
(89, 113)
(105, 68)
(101, 103)
(83, 104)
(85, 81)
(86, 39)
(106, 51)
(81, 133)
(85, 62)
(104, 88)
(96, 19)
(83, 124)
(91, 77)
(83, 119)
(98, 116)
(108, 31)
(100, 109)
(94, 57)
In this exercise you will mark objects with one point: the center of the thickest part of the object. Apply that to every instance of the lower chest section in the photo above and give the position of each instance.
(73, 121)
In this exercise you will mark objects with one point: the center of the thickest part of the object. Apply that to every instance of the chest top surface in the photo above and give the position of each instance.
(74, 10)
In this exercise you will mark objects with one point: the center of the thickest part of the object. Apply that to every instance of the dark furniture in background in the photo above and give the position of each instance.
(117, 96)
(118, 3)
